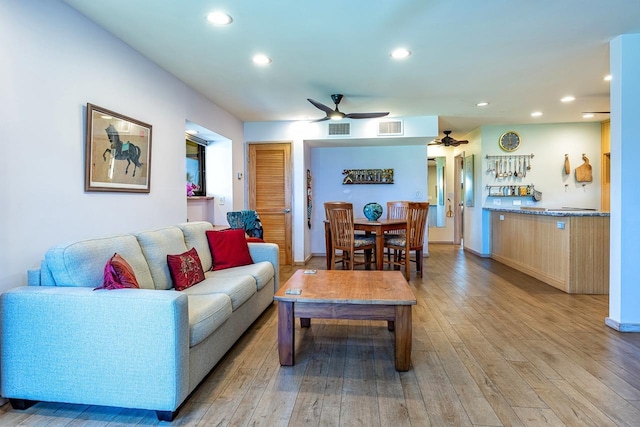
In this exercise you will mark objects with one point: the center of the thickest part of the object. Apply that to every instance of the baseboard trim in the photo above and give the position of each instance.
(476, 253)
(622, 327)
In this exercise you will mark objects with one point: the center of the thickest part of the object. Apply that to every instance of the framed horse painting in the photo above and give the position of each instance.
(117, 152)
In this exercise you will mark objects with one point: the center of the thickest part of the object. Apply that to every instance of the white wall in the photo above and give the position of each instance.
(624, 276)
(410, 180)
(57, 62)
(549, 143)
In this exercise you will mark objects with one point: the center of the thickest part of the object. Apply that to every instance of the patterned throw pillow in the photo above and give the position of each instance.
(118, 274)
(186, 269)
(228, 248)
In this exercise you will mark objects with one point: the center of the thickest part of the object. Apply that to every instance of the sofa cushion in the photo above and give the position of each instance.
(206, 314)
(185, 269)
(228, 248)
(261, 271)
(82, 263)
(156, 245)
(195, 237)
(239, 288)
(118, 274)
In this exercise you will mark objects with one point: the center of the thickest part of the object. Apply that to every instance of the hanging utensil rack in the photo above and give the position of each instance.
(509, 166)
(509, 156)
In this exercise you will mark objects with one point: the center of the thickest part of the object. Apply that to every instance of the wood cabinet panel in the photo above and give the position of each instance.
(574, 259)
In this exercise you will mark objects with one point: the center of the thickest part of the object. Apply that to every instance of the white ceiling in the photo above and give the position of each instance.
(520, 56)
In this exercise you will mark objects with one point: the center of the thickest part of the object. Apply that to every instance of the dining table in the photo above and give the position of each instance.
(377, 227)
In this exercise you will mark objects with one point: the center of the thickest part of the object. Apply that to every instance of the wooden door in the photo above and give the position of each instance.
(269, 172)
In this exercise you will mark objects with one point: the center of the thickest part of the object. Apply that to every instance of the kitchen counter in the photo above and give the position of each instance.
(567, 249)
(550, 211)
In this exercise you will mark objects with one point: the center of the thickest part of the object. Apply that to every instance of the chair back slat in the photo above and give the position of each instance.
(340, 216)
(416, 221)
(397, 210)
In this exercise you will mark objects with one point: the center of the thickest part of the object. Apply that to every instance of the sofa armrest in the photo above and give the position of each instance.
(127, 348)
(267, 252)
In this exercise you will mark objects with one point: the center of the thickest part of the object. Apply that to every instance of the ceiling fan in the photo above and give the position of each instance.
(336, 114)
(448, 141)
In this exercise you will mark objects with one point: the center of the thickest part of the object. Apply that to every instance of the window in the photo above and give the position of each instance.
(195, 167)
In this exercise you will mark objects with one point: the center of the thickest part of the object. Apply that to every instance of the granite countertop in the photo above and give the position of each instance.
(564, 211)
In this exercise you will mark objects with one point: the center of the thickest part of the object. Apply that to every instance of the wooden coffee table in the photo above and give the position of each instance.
(344, 294)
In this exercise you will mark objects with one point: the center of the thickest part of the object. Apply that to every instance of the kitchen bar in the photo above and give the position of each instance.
(567, 248)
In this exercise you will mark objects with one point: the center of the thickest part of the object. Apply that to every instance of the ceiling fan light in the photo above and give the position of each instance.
(219, 18)
(261, 59)
(400, 53)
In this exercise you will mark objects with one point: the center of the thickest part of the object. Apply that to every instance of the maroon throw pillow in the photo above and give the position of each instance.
(228, 248)
(118, 274)
(186, 269)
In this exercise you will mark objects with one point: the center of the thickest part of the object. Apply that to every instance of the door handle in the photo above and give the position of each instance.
(286, 210)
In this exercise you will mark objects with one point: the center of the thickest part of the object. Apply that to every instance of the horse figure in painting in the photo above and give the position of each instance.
(122, 150)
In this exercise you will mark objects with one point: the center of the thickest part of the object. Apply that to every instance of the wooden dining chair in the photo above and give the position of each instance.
(395, 210)
(343, 238)
(413, 240)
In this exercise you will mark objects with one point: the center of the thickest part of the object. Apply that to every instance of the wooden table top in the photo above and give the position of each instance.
(348, 287)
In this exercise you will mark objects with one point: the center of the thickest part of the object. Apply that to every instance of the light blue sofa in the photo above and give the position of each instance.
(142, 348)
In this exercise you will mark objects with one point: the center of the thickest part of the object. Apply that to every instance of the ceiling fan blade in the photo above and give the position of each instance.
(319, 120)
(435, 142)
(463, 141)
(320, 106)
(364, 115)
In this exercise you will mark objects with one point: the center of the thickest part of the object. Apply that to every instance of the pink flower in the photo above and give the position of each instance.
(191, 187)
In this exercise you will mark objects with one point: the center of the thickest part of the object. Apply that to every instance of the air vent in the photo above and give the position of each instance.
(339, 128)
(390, 127)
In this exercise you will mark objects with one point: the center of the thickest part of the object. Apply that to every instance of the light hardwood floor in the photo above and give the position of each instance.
(491, 347)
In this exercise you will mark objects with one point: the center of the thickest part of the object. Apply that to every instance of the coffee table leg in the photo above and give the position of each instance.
(285, 333)
(403, 333)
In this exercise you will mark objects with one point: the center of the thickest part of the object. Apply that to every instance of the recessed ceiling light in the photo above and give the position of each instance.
(588, 115)
(219, 18)
(607, 78)
(261, 59)
(568, 98)
(400, 53)
(482, 104)
(536, 114)
(191, 132)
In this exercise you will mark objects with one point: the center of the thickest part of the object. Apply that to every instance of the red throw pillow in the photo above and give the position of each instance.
(186, 269)
(118, 274)
(228, 248)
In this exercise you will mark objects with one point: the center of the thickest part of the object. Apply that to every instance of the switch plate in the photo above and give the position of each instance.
(221, 200)
(501, 217)
(560, 225)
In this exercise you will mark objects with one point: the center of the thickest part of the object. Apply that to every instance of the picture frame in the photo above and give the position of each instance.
(117, 152)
